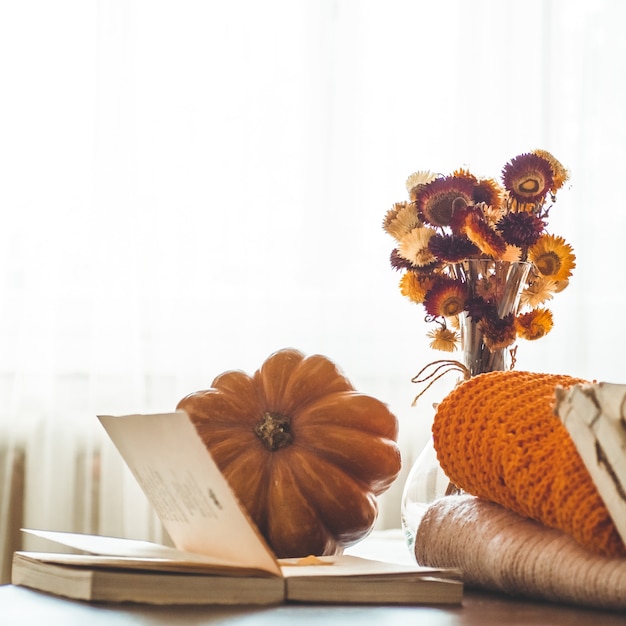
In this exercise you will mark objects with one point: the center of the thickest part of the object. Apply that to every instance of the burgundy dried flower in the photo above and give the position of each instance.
(452, 248)
(498, 332)
(437, 201)
(398, 262)
(477, 308)
(488, 191)
(527, 177)
(520, 229)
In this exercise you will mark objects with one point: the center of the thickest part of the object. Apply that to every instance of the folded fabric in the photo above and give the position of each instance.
(497, 437)
(498, 550)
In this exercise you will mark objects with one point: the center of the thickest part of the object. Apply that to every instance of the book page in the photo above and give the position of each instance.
(188, 492)
(354, 566)
(114, 546)
(186, 563)
(122, 550)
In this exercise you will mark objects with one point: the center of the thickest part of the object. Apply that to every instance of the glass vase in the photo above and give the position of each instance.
(502, 282)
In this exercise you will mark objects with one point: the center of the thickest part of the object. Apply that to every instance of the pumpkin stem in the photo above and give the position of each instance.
(273, 430)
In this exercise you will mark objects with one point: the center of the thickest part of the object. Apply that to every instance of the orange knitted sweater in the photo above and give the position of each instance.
(497, 437)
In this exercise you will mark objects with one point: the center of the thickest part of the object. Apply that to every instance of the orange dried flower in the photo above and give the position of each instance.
(559, 173)
(552, 257)
(534, 324)
(446, 298)
(479, 233)
(414, 286)
(444, 339)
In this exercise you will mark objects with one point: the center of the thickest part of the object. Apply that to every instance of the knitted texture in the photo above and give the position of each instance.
(497, 437)
(496, 549)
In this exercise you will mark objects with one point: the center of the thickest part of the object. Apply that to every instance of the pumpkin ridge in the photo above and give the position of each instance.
(226, 450)
(344, 525)
(236, 389)
(272, 378)
(253, 499)
(302, 526)
(316, 454)
(375, 477)
(350, 410)
(218, 406)
(314, 378)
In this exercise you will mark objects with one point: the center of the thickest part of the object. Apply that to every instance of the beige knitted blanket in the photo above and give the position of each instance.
(499, 550)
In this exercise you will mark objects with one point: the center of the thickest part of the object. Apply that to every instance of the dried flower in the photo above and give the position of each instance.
(414, 246)
(451, 219)
(400, 220)
(559, 173)
(398, 262)
(444, 339)
(538, 291)
(437, 201)
(446, 298)
(416, 180)
(477, 308)
(520, 229)
(451, 248)
(480, 233)
(487, 192)
(528, 178)
(512, 254)
(498, 332)
(534, 324)
(414, 286)
(552, 257)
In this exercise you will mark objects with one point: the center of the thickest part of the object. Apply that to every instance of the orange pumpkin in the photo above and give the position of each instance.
(305, 453)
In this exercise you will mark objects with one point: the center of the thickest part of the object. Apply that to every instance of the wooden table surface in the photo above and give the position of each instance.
(23, 607)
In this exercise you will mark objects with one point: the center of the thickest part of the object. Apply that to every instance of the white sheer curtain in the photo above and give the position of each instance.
(187, 186)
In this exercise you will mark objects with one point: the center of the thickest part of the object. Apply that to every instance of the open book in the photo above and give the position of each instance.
(219, 556)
